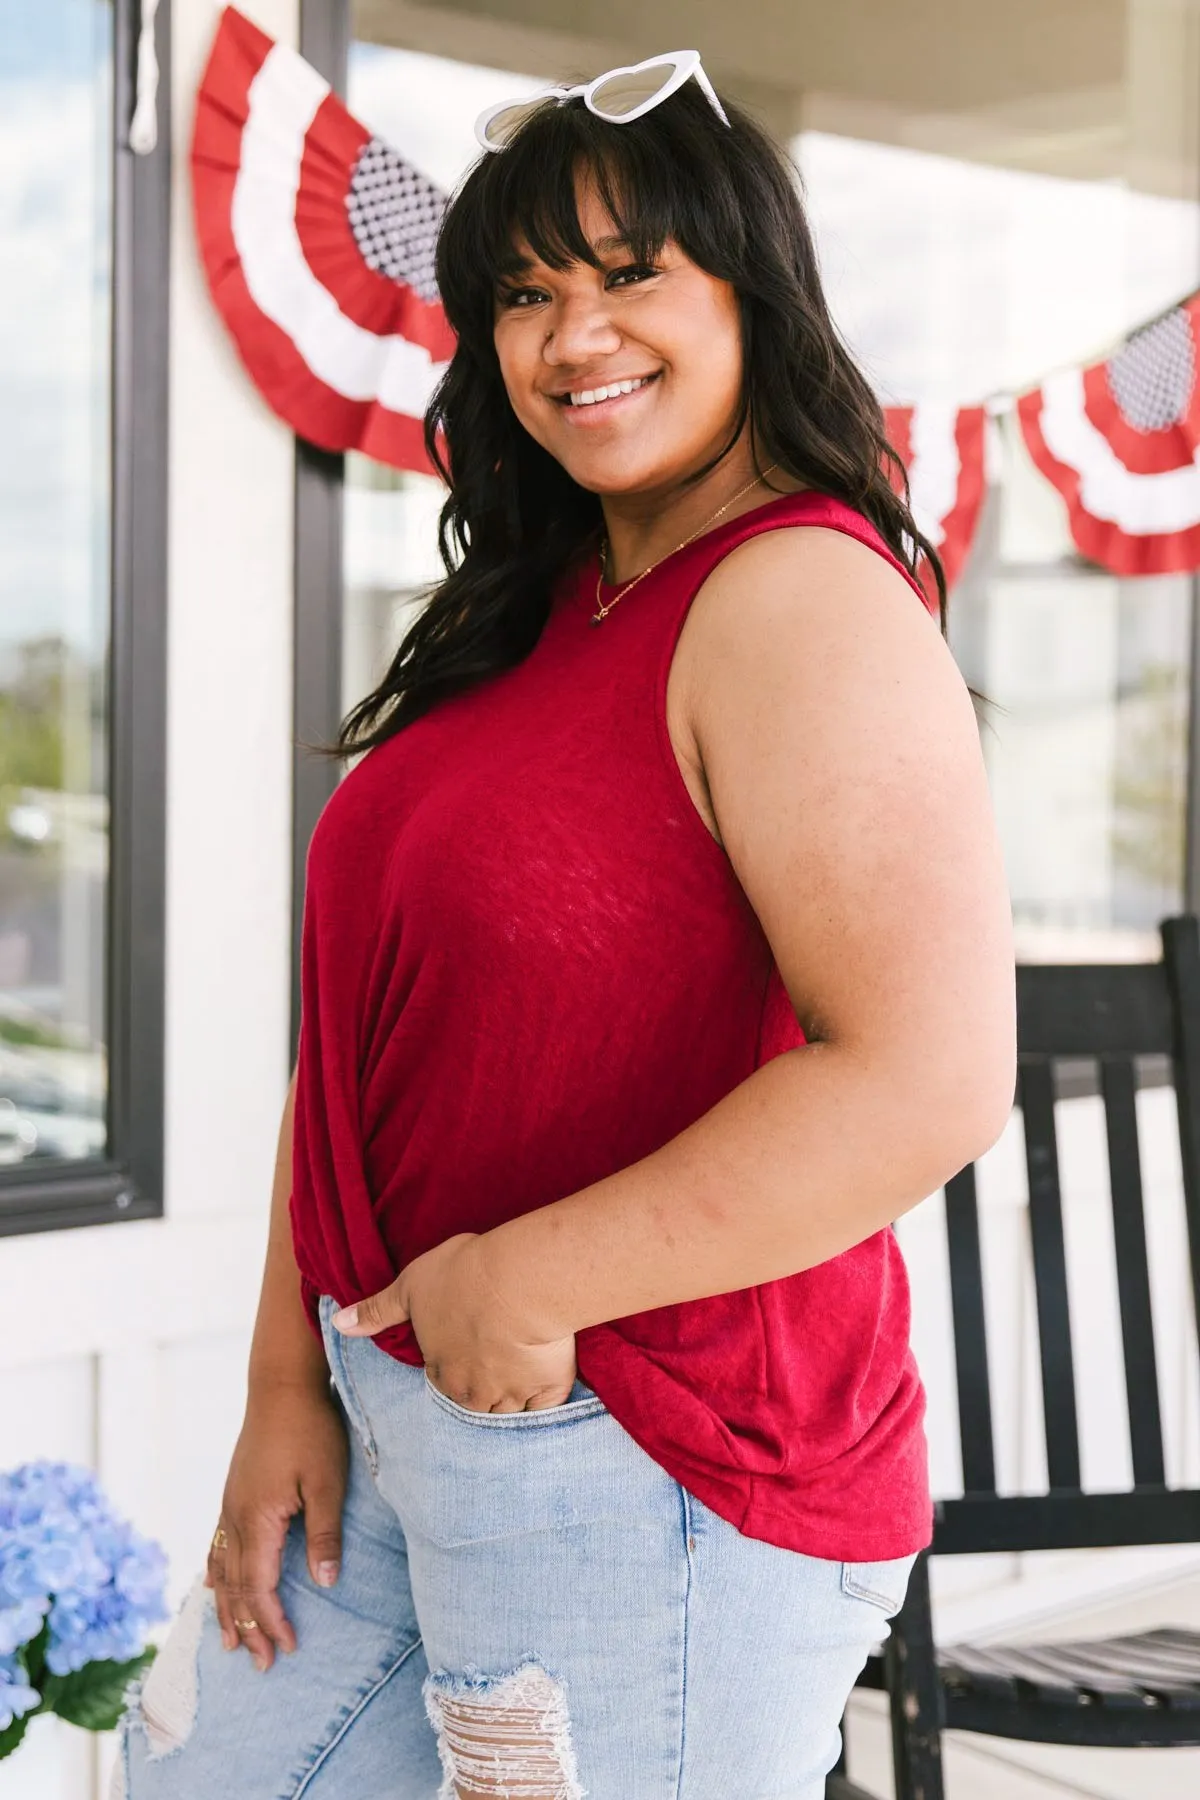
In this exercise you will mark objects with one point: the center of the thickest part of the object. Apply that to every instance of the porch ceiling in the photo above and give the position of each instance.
(1069, 87)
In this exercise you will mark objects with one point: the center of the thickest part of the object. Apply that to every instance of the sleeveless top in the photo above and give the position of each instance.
(527, 963)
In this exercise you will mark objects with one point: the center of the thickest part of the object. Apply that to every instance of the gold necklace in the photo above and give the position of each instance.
(602, 612)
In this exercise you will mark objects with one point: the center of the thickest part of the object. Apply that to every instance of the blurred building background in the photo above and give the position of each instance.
(996, 191)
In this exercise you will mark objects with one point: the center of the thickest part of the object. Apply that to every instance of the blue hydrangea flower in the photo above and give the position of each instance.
(68, 1560)
(20, 1622)
(16, 1696)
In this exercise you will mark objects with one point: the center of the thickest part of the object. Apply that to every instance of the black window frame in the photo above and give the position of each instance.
(127, 1183)
(317, 550)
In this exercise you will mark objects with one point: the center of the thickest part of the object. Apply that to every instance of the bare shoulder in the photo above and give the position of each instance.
(841, 759)
(812, 578)
(803, 612)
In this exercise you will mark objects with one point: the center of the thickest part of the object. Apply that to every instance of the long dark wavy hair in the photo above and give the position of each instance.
(515, 520)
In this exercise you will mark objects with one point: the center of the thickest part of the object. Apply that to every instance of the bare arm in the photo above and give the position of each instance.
(284, 1350)
(290, 1456)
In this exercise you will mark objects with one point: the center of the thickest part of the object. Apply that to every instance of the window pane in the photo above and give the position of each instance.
(55, 217)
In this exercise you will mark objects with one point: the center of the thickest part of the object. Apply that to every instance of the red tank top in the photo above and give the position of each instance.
(526, 964)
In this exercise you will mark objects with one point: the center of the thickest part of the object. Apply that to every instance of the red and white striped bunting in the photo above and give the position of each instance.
(317, 239)
(1121, 443)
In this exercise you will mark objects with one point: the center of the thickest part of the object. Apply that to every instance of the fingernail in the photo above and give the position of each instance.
(327, 1573)
(347, 1319)
(260, 1663)
(229, 1639)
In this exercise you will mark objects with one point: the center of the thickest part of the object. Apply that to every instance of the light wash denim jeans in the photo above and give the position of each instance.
(528, 1606)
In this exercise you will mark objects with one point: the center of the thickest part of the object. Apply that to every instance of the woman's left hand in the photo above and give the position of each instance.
(477, 1350)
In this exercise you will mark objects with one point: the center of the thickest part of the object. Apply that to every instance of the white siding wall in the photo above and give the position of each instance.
(124, 1346)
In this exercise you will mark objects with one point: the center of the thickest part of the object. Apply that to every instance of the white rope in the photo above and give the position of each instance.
(143, 127)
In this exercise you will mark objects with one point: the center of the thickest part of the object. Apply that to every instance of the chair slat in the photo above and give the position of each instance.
(1087, 1668)
(1119, 1086)
(1036, 1091)
(1155, 1665)
(970, 1335)
(1066, 1520)
(1072, 1010)
(1014, 1663)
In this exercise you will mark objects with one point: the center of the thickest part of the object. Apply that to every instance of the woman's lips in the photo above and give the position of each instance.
(596, 412)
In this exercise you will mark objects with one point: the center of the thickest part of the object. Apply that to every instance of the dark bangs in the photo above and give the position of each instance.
(661, 176)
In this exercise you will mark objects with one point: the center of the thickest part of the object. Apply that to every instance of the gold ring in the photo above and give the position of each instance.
(220, 1541)
(246, 1624)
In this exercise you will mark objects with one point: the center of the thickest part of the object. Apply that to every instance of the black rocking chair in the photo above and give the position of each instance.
(1129, 1691)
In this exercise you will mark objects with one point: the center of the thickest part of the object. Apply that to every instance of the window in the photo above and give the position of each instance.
(83, 242)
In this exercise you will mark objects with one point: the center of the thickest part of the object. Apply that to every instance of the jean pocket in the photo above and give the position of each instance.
(343, 1382)
(881, 1584)
(581, 1403)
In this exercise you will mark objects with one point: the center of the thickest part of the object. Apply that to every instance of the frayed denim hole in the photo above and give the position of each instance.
(503, 1736)
(164, 1703)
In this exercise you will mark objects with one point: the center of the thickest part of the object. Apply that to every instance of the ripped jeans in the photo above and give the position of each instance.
(529, 1606)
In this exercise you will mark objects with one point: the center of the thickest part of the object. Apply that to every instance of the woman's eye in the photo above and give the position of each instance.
(515, 297)
(631, 274)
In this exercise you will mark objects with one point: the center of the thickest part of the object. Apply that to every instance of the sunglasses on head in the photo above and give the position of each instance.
(618, 96)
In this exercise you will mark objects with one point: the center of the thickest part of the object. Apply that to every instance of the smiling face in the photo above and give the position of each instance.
(629, 374)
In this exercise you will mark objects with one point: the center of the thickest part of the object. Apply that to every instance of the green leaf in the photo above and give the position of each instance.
(94, 1696)
(32, 1657)
(12, 1734)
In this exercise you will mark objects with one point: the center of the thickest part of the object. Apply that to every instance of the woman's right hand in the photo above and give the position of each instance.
(291, 1456)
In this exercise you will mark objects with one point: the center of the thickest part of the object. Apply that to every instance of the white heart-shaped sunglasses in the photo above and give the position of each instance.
(618, 96)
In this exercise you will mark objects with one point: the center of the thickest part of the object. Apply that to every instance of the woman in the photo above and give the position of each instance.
(656, 957)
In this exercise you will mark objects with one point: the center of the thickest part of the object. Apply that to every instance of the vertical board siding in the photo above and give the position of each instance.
(48, 1409)
(202, 1397)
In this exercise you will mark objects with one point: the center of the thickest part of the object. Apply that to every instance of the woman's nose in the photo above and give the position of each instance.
(580, 328)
